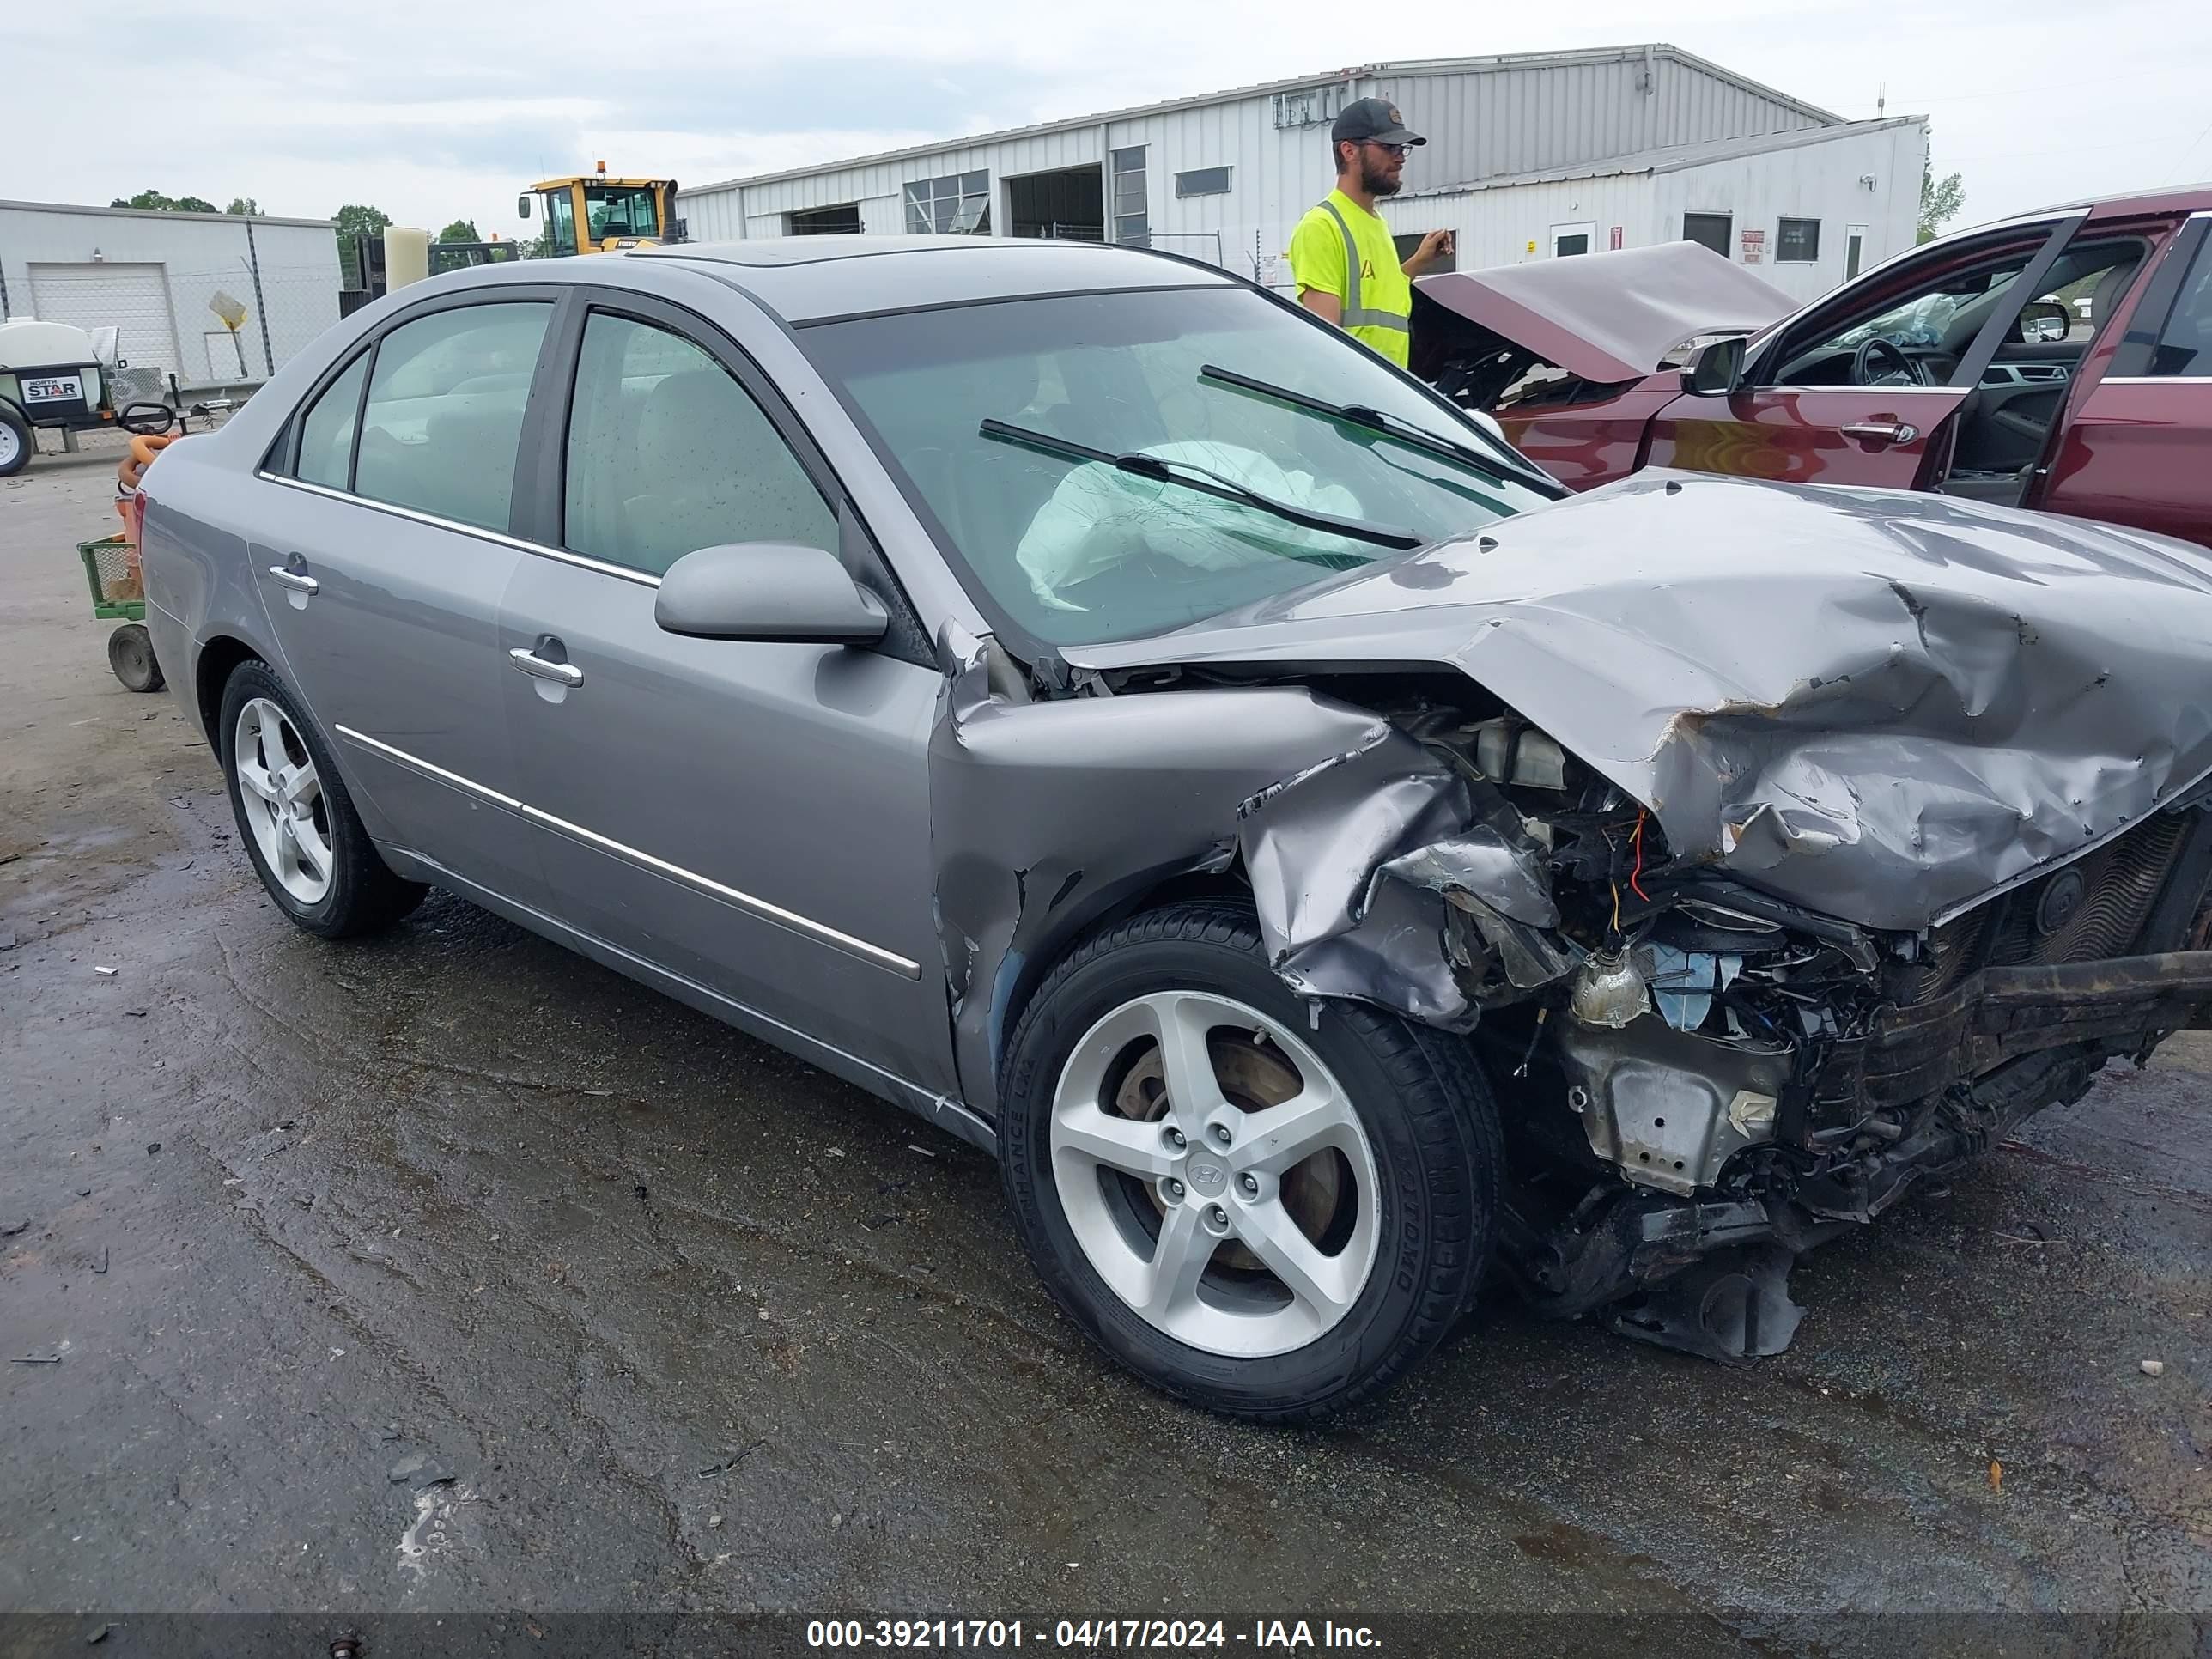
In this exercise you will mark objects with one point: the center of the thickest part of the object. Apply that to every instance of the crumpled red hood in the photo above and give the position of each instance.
(1611, 317)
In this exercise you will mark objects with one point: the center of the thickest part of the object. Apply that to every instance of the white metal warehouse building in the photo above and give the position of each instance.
(1530, 156)
(152, 276)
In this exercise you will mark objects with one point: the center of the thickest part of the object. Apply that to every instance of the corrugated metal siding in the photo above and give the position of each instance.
(196, 258)
(1820, 181)
(1481, 122)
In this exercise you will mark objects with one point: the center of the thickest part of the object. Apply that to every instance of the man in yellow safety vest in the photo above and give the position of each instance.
(1342, 258)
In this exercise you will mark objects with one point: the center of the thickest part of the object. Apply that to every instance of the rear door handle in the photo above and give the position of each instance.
(561, 673)
(1882, 432)
(298, 580)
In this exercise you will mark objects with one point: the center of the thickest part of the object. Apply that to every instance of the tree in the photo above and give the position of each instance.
(353, 220)
(461, 230)
(245, 206)
(156, 202)
(1939, 202)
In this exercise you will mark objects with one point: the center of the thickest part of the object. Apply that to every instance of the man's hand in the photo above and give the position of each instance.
(1437, 245)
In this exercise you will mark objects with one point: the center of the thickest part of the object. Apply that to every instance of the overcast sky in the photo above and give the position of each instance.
(440, 111)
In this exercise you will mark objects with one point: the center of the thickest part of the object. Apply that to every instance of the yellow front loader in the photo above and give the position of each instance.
(591, 213)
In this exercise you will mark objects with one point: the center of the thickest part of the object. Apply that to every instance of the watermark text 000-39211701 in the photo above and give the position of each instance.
(1092, 1635)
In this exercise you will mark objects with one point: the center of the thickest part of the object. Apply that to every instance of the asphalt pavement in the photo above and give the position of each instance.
(446, 1273)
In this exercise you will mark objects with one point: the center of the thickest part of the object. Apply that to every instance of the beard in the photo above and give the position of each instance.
(1375, 180)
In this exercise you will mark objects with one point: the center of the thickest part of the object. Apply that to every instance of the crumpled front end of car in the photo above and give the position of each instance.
(1776, 848)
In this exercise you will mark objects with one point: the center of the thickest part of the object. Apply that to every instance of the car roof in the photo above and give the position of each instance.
(804, 279)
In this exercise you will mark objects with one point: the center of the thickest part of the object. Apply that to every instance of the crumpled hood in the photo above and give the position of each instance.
(1610, 316)
(1881, 705)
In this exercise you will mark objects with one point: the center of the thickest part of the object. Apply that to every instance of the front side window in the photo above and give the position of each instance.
(1797, 242)
(444, 416)
(326, 433)
(2185, 344)
(667, 454)
(1932, 320)
(1071, 550)
(958, 205)
(561, 221)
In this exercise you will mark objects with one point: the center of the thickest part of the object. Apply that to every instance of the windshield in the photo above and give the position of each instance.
(619, 211)
(1076, 552)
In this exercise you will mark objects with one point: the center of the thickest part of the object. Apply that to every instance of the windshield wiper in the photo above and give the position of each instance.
(1204, 480)
(1384, 424)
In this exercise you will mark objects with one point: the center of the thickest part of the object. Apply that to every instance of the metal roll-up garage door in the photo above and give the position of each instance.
(133, 299)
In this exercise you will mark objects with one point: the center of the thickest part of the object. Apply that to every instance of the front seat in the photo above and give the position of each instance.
(716, 471)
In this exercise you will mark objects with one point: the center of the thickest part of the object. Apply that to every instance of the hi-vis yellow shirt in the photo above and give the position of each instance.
(1341, 248)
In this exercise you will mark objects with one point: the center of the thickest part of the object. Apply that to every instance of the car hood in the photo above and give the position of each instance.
(1883, 705)
(1611, 317)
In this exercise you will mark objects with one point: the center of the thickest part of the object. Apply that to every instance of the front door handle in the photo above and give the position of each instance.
(298, 580)
(561, 673)
(1882, 432)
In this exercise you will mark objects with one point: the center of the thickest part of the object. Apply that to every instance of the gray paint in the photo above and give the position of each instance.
(923, 841)
(768, 590)
(1881, 705)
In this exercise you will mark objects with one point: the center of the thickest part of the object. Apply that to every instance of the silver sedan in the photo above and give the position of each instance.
(1079, 697)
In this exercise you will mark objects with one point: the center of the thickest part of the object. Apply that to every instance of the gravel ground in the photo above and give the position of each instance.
(694, 1328)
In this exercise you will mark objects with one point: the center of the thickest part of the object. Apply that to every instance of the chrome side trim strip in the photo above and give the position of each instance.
(417, 763)
(2156, 379)
(620, 572)
(766, 912)
(759, 907)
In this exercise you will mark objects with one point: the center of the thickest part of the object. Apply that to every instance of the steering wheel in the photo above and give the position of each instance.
(1862, 360)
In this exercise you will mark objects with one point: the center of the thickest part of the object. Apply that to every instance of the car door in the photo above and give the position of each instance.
(751, 817)
(2133, 447)
(1818, 404)
(382, 555)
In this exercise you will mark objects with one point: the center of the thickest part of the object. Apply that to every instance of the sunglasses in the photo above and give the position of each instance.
(1398, 150)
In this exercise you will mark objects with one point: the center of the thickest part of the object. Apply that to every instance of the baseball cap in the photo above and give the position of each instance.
(1372, 118)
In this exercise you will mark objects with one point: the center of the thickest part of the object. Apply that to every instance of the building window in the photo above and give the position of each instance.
(1408, 244)
(1854, 249)
(1131, 223)
(1797, 242)
(842, 221)
(958, 205)
(1712, 230)
(1204, 181)
(1315, 107)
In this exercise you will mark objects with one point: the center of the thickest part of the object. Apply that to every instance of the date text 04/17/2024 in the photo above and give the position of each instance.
(1088, 1634)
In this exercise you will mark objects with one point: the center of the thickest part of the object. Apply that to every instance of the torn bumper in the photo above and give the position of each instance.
(2005, 1013)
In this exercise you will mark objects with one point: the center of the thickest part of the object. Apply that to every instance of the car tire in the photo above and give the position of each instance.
(1406, 1112)
(17, 446)
(294, 814)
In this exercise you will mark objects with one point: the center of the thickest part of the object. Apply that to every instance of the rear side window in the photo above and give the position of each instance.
(667, 454)
(444, 416)
(326, 433)
(2185, 345)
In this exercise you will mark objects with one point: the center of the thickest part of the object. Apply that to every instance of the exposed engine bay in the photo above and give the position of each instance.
(1750, 938)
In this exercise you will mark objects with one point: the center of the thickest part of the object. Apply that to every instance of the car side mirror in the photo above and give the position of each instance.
(768, 590)
(2043, 321)
(522, 207)
(1716, 370)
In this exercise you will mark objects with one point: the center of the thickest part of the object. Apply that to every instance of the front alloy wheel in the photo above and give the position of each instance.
(1264, 1205)
(1214, 1174)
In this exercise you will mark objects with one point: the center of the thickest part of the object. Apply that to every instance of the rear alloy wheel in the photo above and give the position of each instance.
(1266, 1215)
(306, 841)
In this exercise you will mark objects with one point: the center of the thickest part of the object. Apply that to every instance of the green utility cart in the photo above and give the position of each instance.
(117, 597)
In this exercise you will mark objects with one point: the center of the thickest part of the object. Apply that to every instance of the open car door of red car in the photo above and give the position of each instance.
(1863, 388)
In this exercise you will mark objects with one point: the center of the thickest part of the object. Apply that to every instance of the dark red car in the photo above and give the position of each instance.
(1960, 366)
